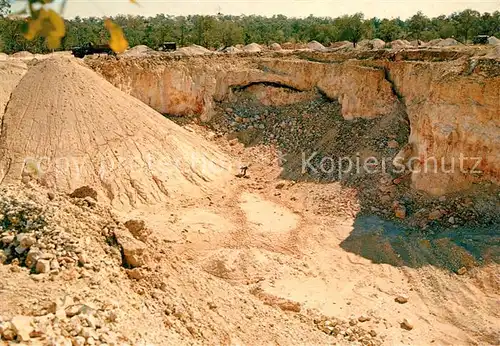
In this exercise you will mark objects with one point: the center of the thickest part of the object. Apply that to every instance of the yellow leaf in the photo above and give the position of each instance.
(53, 42)
(117, 42)
(134, 2)
(34, 27)
(57, 22)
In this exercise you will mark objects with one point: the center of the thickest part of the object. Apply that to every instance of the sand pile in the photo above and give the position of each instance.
(23, 55)
(11, 73)
(231, 49)
(275, 46)
(315, 45)
(493, 40)
(449, 42)
(252, 48)
(377, 44)
(67, 127)
(435, 42)
(400, 44)
(193, 50)
(139, 50)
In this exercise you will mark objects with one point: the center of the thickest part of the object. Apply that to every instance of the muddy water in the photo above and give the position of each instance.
(384, 241)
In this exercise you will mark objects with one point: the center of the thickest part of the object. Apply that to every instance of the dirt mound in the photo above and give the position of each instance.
(252, 48)
(11, 73)
(23, 55)
(341, 44)
(193, 50)
(399, 44)
(315, 45)
(140, 50)
(231, 49)
(493, 41)
(90, 133)
(377, 44)
(275, 46)
(449, 42)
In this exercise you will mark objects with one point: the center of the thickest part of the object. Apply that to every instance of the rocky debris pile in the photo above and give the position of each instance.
(252, 48)
(351, 330)
(28, 240)
(67, 321)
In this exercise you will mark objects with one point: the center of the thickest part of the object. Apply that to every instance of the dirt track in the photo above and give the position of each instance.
(258, 260)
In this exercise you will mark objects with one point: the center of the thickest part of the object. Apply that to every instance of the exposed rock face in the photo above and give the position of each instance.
(452, 106)
(454, 112)
(190, 86)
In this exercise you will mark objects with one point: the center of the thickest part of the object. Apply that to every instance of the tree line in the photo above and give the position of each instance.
(214, 31)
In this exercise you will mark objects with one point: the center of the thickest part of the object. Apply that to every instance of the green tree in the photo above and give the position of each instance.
(389, 30)
(4, 7)
(466, 22)
(417, 24)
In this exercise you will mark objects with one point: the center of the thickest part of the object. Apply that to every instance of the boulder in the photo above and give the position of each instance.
(134, 251)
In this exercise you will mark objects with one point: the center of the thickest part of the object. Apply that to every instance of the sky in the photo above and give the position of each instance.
(289, 8)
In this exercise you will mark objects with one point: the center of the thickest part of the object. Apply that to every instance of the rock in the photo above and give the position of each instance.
(8, 239)
(88, 332)
(26, 240)
(8, 331)
(42, 266)
(401, 299)
(135, 227)
(73, 310)
(462, 271)
(33, 256)
(435, 215)
(364, 318)
(79, 341)
(406, 324)
(279, 186)
(400, 212)
(134, 251)
(135, 274)
(373, 333)
(51, 195)
(84, 191)
(451, 220)
(82, 259)
(392, 144)
(22, 326)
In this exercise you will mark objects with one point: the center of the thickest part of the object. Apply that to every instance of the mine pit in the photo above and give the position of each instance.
(339, 232)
